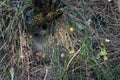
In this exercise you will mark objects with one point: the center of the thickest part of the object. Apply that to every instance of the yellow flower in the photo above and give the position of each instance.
(71, 29)
(103, 52)
(72, 51)
(11, 71)
(105, 58)
(102, 43)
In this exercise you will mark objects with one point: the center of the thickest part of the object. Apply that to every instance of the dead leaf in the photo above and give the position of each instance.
(40, 53)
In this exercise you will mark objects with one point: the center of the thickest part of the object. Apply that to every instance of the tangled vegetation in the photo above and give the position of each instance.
(59, 39)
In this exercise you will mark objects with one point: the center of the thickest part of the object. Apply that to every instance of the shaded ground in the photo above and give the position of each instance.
(81, 44)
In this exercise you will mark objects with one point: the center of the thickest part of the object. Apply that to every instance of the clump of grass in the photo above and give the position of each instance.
(12, 39)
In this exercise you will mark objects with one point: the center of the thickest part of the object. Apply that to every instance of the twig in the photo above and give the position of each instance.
(46, 73)
(75, 54)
